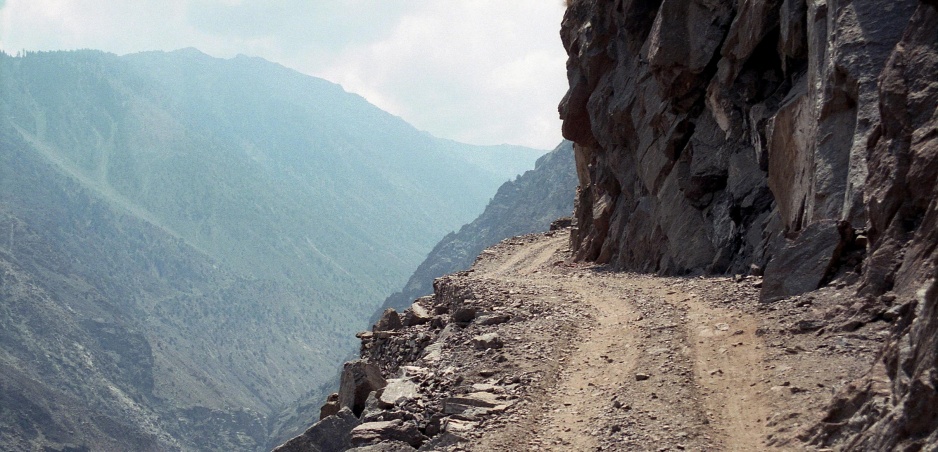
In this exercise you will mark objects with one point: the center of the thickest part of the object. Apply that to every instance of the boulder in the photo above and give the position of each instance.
(492, 319)
(444, 441)
(396, 430)
(433, 352)
(486, 341)
(458, 426)
(803, 263)
(332, 434)
(416, 315)
(389, 321)
(359, 378)
(388, 446)
(331, 407)
(464, 314)
(397, 391)
(377, 414)
(474, 405)
(474, 399)
(485, 387)
(561, 223)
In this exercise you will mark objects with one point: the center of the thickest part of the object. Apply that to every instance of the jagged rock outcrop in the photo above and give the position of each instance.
(331, 434)
(708, 130)
(902, 204)
(359, 379)
(784, 135)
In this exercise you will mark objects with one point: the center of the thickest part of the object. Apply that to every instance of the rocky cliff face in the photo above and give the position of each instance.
(792, 137)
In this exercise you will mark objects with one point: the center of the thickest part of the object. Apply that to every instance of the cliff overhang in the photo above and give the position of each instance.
(791, 137)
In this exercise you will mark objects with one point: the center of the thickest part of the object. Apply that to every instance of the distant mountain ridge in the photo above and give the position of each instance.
(186, 243)
(522, 206)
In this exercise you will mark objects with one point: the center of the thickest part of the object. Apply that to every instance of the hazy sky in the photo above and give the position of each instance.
(478, 71)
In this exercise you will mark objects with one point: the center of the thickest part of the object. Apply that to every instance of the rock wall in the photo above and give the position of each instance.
(896, 406)
(798, 138)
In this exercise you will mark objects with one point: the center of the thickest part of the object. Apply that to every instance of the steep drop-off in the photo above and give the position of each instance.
(189, 243)
(522, 206)
(792, 137)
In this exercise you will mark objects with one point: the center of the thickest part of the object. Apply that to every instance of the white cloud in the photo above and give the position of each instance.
(479, 71)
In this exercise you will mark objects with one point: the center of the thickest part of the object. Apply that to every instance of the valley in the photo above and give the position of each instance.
(185, 261)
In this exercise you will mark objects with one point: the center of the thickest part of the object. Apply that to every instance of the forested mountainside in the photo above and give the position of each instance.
(188, 243)
(522, 206)
(791, 137)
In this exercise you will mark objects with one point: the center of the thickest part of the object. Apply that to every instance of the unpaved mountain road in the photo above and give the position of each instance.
(653, 363)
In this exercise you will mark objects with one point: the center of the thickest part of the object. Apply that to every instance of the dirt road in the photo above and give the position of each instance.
(638, 362)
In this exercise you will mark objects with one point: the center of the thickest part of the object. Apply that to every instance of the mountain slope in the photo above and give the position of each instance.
(527, 204)
(188, 242)
(179, 138)
(109, 331)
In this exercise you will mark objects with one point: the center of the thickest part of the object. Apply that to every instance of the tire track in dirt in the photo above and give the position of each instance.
(647, 363)
(657, 368)
(730, 372)
(527, 259)
(605, 358)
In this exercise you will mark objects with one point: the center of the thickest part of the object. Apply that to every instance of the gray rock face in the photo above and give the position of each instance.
(801, 265)
(398, 390)
(332, 434)
(359, 378)
(902, 196)
(722, 135)
(705, 129)
(396, 430)
(390, 321)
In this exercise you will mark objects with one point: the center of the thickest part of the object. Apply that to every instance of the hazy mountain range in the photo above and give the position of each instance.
(187, 244)
(521, 206)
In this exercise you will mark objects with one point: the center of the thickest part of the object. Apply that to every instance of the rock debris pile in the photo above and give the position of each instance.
(454, 362)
